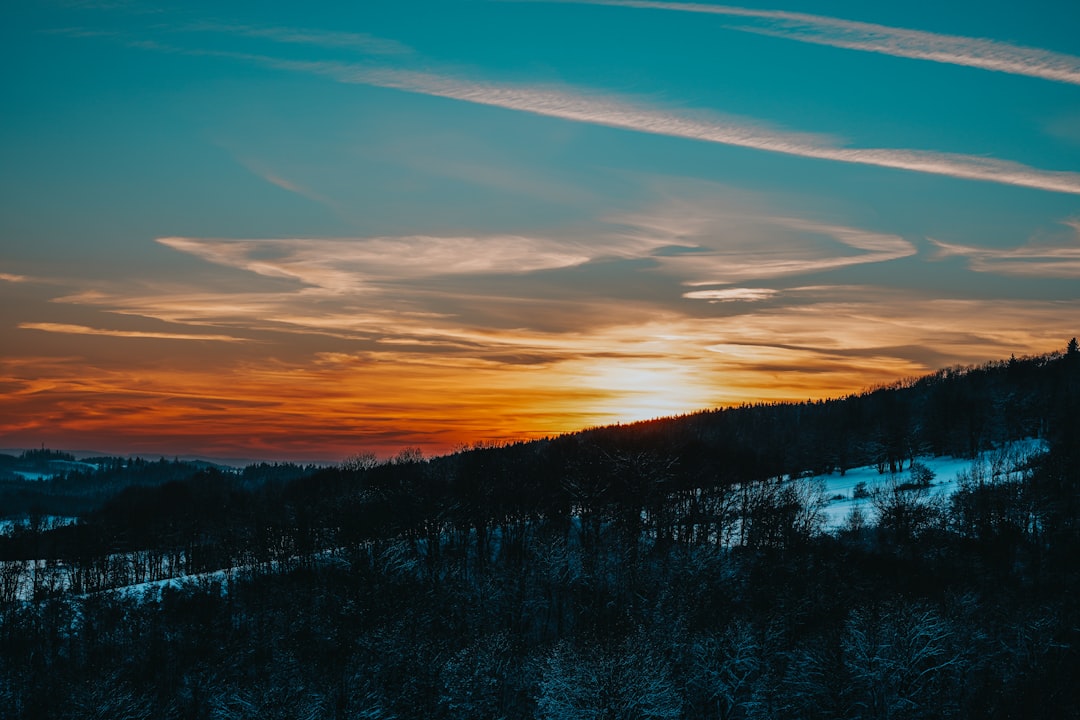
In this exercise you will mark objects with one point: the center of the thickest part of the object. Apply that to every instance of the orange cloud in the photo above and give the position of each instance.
(380, 343)
(332, 403)
(83, 330)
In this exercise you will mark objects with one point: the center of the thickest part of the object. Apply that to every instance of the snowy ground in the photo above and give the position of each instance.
(36, 476)
(838, 490)
(8, 525)
(946, 470)
(153, 590)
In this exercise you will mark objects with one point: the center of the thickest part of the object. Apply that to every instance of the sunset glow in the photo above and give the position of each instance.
(266, 234)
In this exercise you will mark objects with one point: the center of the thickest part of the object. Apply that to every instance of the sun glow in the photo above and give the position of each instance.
(644, 390)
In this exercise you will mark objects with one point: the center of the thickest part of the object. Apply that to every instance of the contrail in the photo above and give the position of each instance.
(899, 42)
(610, 111)
(619, 113)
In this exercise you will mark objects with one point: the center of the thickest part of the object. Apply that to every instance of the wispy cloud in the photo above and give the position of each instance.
(260, 170)
(340, 400)
(352, 264)
(1031, 260)
(732, 294)
(199, 307)
(417, 291)
(611, 111)
(900, 42)
(83, 32)
(363, 42)
(864, 331)
(292, 187)
(466, 293)
(731, 246)
(354, 362)
(84, 330)
(620, 113)
(9, 277)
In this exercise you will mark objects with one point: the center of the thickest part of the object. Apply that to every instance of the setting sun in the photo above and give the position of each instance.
(644, 390)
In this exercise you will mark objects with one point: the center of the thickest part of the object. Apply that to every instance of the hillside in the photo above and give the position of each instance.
(683, 567)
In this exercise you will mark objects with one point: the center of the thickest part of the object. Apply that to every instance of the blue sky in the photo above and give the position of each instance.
(303, 229)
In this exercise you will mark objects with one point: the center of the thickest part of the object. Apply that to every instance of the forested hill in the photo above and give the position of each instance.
(677, 568)
(956, 411)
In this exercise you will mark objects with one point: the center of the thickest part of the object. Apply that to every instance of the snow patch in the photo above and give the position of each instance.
(946, 470)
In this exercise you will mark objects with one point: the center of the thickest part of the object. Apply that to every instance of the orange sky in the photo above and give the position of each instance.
(252, 383)
(302, 231)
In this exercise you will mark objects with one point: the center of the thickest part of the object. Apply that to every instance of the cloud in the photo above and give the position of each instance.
(620, 113)
(362, 42)
(610, 111)
(9, 277)
(732, 294)
(82, 32)
(135, 7)
(429, 295)
(357, 353)
(309, 259)
(1064, 127)
(899, 42)
(336, 401)
(83, 330)
(262, 172)
(727, 245)
(501, 296)
(354, 264)
(273, 409)
(195, 306)
(1031, 260)
(868, 336)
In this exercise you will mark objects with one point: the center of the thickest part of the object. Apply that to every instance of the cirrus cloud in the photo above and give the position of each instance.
(1031, 260)
(70, 329)
(870, 37)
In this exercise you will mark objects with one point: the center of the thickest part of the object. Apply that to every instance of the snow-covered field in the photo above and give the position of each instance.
(8, 525)
(946, 469)
(36, 476)
(838, 491)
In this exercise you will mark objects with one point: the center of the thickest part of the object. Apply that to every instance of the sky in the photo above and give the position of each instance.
(300, 231)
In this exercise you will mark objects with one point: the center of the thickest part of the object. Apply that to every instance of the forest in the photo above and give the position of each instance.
(675, 568)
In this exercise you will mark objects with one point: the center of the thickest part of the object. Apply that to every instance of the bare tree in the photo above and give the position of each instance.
(900, 661)
(13, 576)
(726, 669)
(360, 461)
(595, 683)
(110, 698)
(407, 456)
(475, 682)
(904, 510)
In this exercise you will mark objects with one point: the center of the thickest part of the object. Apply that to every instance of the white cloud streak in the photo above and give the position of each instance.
(1045, 261)
(768, 247)
(732, 295)
(84, 330)
(899, 42)
(341, 265)
(619, 113)
(610, 111)
(362, 42)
